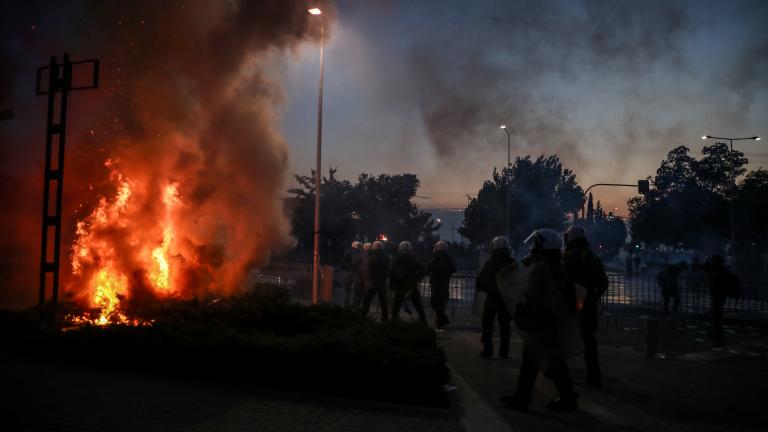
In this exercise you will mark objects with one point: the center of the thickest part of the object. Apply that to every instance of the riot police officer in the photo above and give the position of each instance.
(494, 308)
(585, 268)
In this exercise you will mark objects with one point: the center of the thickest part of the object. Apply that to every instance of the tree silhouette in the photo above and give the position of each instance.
(541, 193)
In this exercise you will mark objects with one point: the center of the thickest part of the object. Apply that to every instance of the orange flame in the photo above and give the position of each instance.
(95, 259)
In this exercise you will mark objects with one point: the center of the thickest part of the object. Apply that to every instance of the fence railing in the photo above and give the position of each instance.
(642, 292)
(636, 292)
(297, 279)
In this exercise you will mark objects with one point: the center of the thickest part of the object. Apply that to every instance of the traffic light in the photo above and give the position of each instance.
(643, 187)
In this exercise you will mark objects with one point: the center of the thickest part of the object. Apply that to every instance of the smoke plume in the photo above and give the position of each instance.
(183, 124)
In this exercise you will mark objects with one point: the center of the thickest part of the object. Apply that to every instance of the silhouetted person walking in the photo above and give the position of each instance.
(669, 281)
(721, 285)
(404, 277)
(377, 269)
(585, 268)
(494, 308)
(440, 269)
(351, 265)
(547, 317)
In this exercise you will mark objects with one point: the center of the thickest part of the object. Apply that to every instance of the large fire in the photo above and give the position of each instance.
(96, 261)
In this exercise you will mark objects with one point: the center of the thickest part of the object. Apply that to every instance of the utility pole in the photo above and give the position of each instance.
(59, 84)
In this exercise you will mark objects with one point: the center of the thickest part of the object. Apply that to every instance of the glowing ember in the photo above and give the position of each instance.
(97, 260)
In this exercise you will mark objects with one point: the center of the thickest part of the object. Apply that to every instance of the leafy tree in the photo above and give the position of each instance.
(372, 206)
(689, 202)
(541, 194)
(751, 209)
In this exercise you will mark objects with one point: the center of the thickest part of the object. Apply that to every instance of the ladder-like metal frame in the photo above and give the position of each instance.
(59, 86)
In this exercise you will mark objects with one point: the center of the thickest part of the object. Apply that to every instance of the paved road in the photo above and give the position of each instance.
(696, 387)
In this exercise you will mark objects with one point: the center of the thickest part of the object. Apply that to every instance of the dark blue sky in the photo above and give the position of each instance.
(611, 86)
(422, 86)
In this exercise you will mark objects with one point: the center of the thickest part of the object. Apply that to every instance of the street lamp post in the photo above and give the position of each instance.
(509, 150)
(318, 167)
(732, 247)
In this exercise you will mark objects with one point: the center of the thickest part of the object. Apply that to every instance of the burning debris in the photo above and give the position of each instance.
(188, 199)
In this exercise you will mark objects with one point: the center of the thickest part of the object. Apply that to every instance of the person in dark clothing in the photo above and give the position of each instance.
(494, 308)
(351, 264)
(552, 302)
(585, 268)
(440, 269)
(720, 281)
(404, 277)
(377, 270)
(669, 281)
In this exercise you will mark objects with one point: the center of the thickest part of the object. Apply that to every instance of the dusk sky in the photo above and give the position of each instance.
(611, 86)
(422, 86)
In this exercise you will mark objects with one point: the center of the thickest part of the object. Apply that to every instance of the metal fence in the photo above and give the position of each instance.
(297, 279)
(631, 292)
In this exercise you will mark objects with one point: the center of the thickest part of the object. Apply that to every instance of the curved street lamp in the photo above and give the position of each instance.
(509, 148)
(733, 187)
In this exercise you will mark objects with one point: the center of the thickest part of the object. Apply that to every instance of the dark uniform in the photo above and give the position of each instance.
(494, 308)
(669, 281)
(377, 269)
(720, 284)
(404, 277)
(351, 265)
(440, 269)
(551, 291)
(586, 269)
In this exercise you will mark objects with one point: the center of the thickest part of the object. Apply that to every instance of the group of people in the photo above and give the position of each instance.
(722, 284)
(369, 271)
(547, 315)
(563, 284)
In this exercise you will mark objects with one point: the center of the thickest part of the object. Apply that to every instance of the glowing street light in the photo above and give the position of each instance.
(318, 176)
(733, 186)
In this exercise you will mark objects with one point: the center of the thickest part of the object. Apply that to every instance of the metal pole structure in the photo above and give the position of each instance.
(509, 154)
(732, 247)
(59, 84)
(733, 199)
(318, 173)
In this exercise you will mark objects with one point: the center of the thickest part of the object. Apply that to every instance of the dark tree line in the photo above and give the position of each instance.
(364, 210)
(688, 204)
(542, 193)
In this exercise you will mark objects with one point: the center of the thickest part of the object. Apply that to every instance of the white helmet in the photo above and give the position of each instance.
(355, 244)
(545, 239)
(499, 243)
(404, 246)
(367, 246)
(377, 245)
(441, 245)
(574, 232)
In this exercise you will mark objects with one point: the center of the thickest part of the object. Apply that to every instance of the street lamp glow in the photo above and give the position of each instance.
(315, 11)
(758, 138)
(704, 137)
(503, 126)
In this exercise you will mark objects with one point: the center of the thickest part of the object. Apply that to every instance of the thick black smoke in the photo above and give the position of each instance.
(183, 99)
(493, 61)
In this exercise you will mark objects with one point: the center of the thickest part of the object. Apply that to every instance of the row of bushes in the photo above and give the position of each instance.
(262, 339)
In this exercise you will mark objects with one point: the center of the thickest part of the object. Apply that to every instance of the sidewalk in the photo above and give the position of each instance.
(692, 386)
